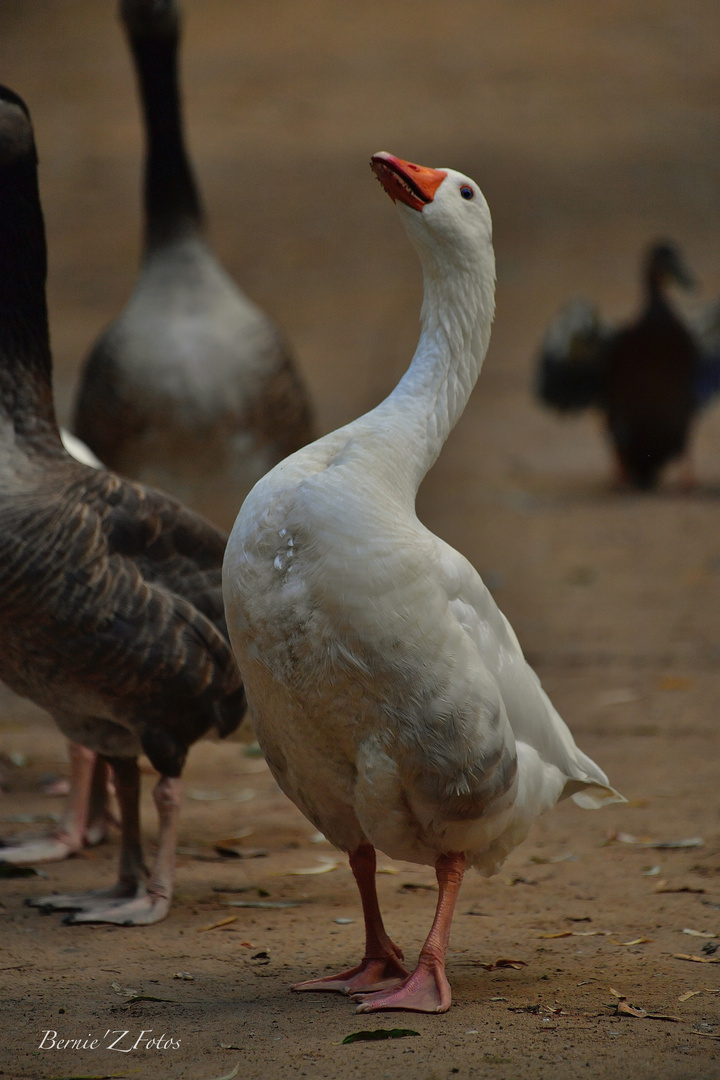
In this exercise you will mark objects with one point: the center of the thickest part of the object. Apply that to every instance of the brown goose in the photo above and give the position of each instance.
(87, 815)
(110, 602)
(192, 388)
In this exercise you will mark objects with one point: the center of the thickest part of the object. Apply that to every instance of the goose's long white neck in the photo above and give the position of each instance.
(412, 424)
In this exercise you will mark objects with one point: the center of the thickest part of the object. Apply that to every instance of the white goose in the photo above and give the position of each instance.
(389, 693)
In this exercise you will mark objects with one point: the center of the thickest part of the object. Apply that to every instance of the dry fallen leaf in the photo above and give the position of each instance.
(148, 997)
(233, 1074)
(699, 933)
(674, 682)
(576, 933)
(670, 845)
(543, 861)
(199, 795)
(503, 963)
(622, 696)
(237, 838)
(326, 864)
(689, 994)
(273, 904)
(625, 1009)
(241, 852)
(223, 922)
(379, 1033)
(663, 887)
(635, 941)
(657, 845)
(310, 870)
(697, 959)
(629, 1010)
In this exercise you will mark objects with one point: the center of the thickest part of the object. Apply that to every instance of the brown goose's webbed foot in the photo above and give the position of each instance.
(138, 898)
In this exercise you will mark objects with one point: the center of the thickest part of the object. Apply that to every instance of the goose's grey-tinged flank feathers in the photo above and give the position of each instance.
(649, 377)
(110, 592)
(192, 389)
(389, 693)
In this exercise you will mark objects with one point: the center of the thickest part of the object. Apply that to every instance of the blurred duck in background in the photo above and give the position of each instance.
(192, 388)
(111, 613)
(649, 378)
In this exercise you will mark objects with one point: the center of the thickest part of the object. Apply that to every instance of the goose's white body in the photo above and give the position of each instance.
(389, 693)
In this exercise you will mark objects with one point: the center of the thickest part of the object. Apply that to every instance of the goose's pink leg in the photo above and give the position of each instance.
(99, 815)
(69, 836)
(427, 989)
(687, 480)
(619, 476)
(381, 967)
(137, 898)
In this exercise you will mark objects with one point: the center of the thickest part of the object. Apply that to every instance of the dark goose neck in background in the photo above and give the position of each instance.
(172, 203)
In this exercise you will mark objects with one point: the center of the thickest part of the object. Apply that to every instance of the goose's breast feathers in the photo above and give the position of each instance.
(374, 655)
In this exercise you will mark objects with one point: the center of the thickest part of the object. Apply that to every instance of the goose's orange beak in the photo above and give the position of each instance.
(414, 185)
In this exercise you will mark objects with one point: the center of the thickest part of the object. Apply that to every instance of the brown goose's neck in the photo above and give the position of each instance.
(26, 401)
(172, 202)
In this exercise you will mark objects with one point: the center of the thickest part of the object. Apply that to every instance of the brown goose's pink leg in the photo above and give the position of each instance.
(687, 480)
(619, 476)
(427, 989)
(137, 898)
(381, 966)
(99, 816)
(69, 836)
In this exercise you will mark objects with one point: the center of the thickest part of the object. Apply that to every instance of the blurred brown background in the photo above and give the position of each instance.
(593, 128)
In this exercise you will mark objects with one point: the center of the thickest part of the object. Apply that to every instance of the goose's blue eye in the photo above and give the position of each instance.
(467, 192)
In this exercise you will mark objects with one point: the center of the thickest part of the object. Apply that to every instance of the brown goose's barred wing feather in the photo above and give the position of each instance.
(170, 544)
(112, 607)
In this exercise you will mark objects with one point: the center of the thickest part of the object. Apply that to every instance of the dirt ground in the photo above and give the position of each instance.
(592, 128)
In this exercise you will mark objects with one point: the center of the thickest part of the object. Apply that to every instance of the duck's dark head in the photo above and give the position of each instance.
(664, 266)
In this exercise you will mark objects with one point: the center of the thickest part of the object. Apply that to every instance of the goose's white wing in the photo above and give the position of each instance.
(536, 724)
